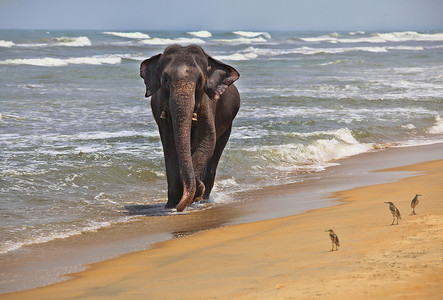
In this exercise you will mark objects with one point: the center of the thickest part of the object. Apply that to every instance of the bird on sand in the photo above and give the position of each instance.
(414, 203)
(394, 211)
(334, 239)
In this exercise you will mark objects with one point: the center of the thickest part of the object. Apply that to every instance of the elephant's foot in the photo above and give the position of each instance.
(170, 205)
(200, 191)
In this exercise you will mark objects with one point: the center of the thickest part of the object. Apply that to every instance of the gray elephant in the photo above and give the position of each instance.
(194, 103)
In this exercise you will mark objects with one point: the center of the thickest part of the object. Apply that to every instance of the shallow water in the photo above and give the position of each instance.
(79, 145)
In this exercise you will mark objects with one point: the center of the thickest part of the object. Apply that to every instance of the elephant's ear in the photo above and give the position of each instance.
(150, 73)
(220, 76)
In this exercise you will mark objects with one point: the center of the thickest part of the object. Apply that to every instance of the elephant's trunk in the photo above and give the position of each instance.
(182, 101)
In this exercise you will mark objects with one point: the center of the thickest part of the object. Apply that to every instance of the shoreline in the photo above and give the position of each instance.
(354, 171)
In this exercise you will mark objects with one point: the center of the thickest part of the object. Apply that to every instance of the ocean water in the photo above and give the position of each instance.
(78, 143)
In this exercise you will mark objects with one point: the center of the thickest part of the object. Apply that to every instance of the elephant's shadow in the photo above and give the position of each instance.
(149, 210)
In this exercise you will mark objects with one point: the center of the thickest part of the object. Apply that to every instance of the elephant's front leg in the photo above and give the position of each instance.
(175, 185)
(203, 147)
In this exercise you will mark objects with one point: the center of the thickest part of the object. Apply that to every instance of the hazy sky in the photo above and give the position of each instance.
(222, 14)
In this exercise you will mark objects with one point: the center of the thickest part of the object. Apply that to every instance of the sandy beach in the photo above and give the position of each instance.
(290, 257)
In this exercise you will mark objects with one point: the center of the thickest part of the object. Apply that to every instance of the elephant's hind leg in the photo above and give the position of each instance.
(210, 170)
(200, 190)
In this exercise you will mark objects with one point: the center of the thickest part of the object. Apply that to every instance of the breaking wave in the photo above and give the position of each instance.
(314, 51)
(437, 128)
(310, 151)
(81, 41)
(377, 37)
(201, 34)
(61, 62)
(129, 35)
(164, 41)
(6, 44)
(252, 34)
(240, 41)
(237, 56)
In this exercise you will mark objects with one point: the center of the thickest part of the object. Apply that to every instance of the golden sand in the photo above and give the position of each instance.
(290, 258)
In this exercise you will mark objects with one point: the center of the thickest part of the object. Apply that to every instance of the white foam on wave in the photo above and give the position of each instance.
(165, 41)
(410, 36)
(61, 62)
(6, 44)
(252, 34)
(91, 226)
(129, 35)
(81, 41)
(72, 42)
(314, 51)
(240, 41)
(237, 56)
(324, 147)
(437, 128)
(408, 126)
(317, 153)
(101, 135)
(357, 33)
(323, 38)
(200, 34)
(378, 37)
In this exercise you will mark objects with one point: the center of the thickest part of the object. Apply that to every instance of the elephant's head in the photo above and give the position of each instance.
(181, 77)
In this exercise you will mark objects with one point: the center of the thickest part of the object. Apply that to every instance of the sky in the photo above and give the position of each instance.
(223, 14)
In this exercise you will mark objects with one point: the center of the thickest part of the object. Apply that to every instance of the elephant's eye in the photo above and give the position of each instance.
(165, 81)
(200, 81)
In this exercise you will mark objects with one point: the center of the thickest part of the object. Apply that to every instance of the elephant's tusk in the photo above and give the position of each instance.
(164, 115)
(194, 117)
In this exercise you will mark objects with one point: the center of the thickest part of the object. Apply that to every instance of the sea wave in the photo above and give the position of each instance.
(72, 42)
(338, 50)
(323, 147)
(165, 41)
(239, 41)
(91, 226)
(81, 41)
(377, 37)
(129, 35)
(6, 44)
(237, 56)
(61, 62)
(200, 34)
(437, 128)
(252, 34)
(102, 135)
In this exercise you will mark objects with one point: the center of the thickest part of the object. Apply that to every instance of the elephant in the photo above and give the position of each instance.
(194, 103)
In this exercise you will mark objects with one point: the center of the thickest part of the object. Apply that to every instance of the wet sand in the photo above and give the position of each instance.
(290, 257)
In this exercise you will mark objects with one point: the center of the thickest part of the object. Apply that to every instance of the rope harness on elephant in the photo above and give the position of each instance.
(164, 115)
